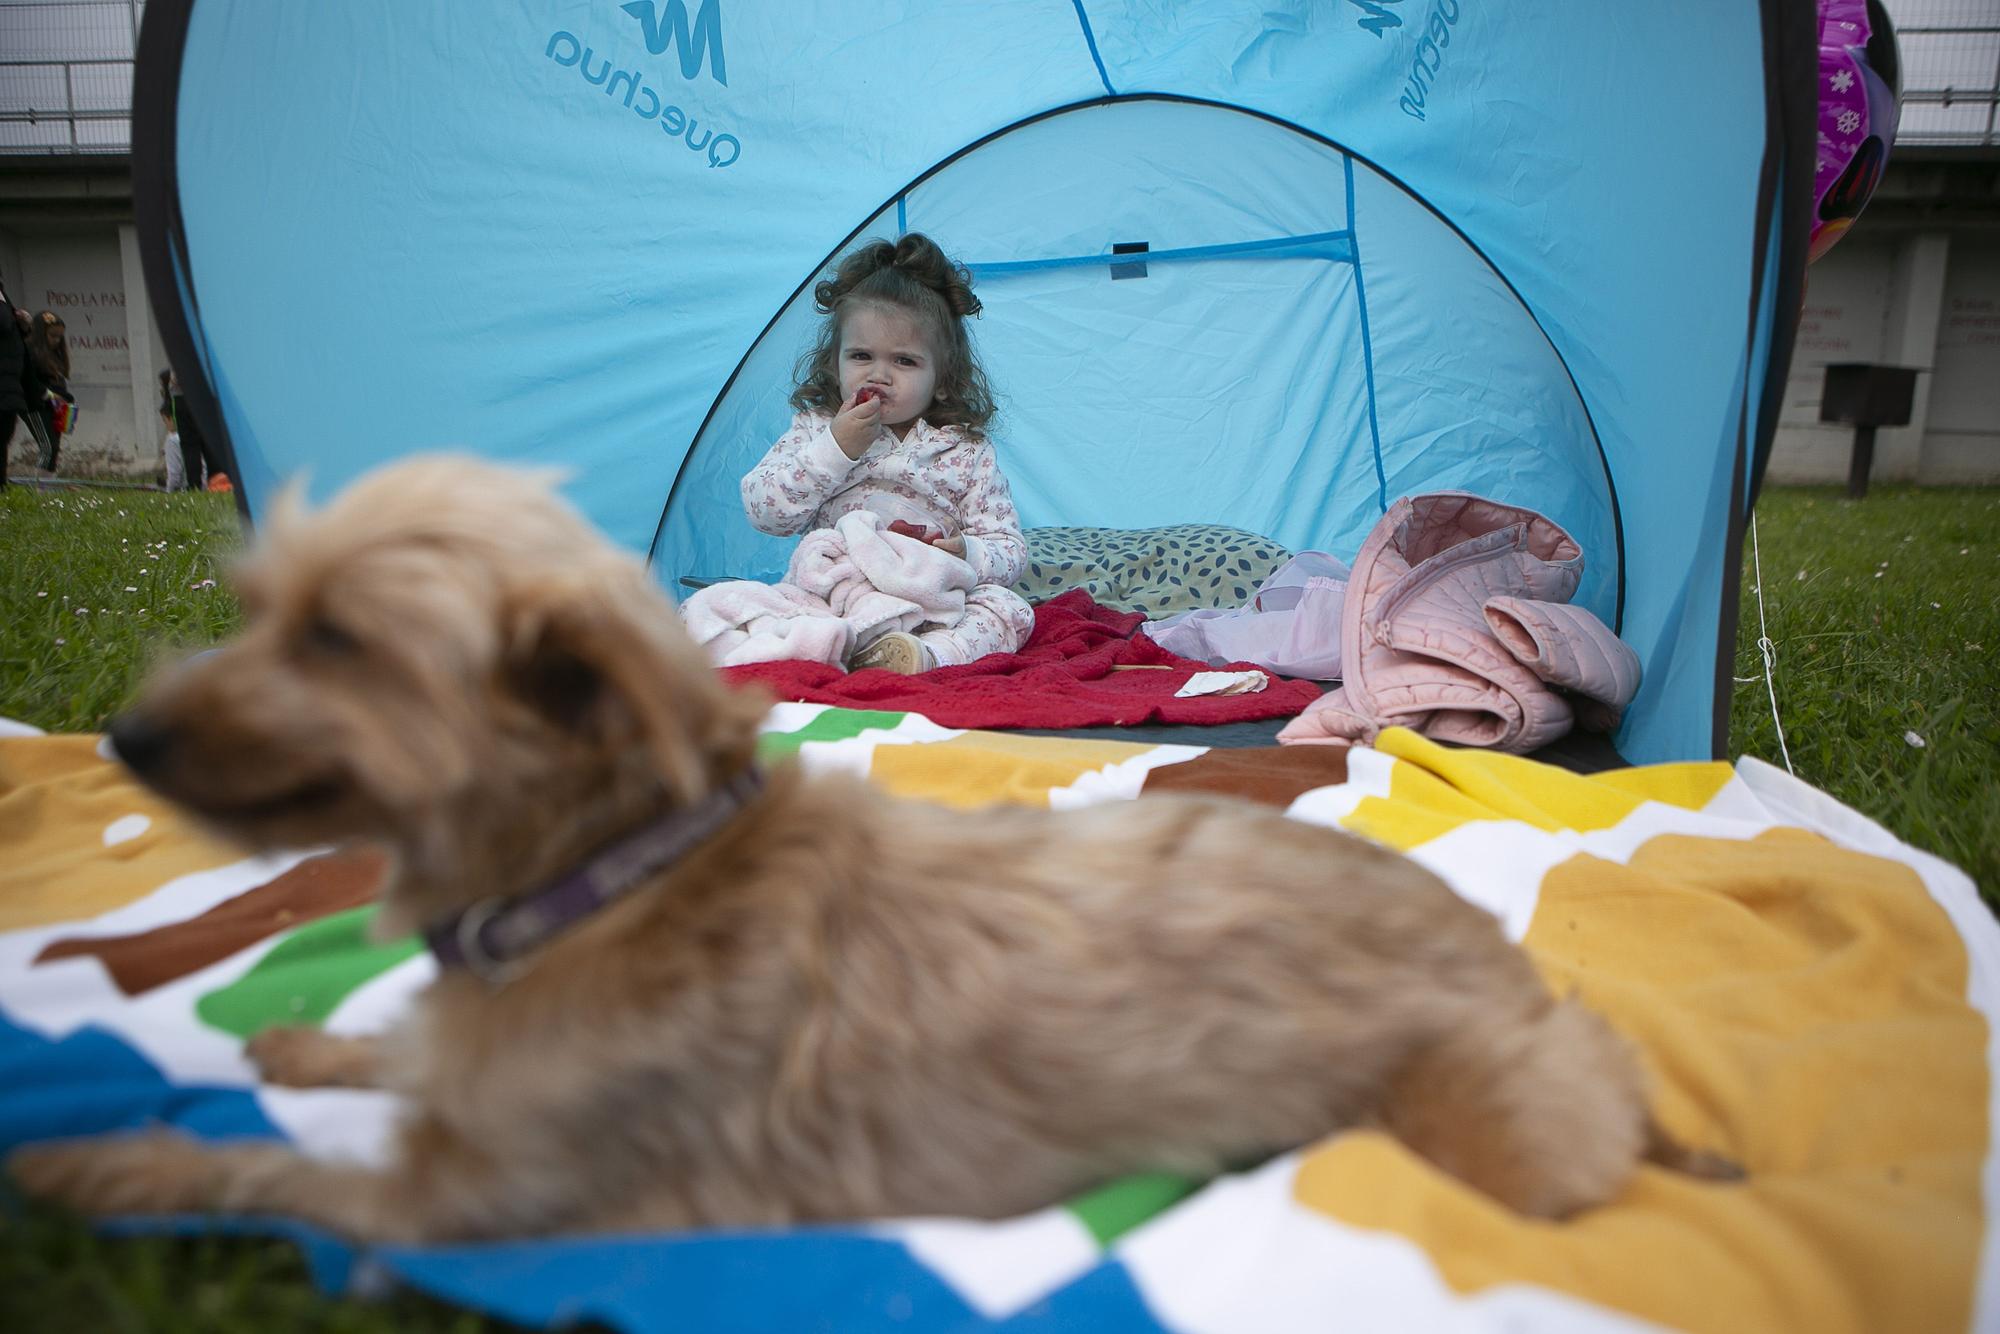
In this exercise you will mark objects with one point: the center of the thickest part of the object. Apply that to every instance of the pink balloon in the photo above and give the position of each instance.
(1857, 115)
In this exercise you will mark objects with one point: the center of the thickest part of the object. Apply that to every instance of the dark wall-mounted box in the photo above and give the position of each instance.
(1861, 393)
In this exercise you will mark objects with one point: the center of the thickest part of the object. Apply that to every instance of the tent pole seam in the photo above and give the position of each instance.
(1781, 197)
(1090, 40)
(1367, 344)
(1324, 242)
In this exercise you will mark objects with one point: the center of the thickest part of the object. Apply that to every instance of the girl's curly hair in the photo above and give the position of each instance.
(914, 276)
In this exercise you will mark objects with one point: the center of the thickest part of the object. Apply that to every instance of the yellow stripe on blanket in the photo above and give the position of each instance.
(1440, 789)
(81, 838)
(976, 769)
(1802, 1008)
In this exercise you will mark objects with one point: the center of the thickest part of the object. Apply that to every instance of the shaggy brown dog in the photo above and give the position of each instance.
(839, 1005)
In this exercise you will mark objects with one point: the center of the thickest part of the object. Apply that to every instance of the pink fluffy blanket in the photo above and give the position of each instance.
(845, 586)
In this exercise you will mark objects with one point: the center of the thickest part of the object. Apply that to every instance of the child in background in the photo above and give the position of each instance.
(892, 408)
(171, 449)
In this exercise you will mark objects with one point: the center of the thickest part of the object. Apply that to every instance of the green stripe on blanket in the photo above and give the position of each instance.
(306, 975)
(832, 725)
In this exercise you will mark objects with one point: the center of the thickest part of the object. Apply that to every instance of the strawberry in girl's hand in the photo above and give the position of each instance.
(866, 392)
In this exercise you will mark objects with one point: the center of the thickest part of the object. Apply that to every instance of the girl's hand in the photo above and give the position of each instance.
(856, 425)
(954, 545)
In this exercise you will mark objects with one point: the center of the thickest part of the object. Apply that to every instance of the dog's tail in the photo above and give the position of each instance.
(1547, 1115)
(1663, 1150)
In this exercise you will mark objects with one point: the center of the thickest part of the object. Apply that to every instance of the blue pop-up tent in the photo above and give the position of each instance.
(1271, 266)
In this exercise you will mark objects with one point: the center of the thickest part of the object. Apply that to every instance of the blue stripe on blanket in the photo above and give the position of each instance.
(93, 1082)
(775, 1281)
(1103, 1299)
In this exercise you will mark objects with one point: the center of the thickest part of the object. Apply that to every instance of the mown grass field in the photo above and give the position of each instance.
(1885, 616)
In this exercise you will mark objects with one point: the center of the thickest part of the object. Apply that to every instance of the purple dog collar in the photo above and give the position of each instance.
(493, 938)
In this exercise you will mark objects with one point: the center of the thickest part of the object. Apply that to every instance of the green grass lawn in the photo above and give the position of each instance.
(96, 580)
(58, 1277)
(1885, 615)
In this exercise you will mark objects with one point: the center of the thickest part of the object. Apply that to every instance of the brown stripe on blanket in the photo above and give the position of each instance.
(1275, 775)
(317, 887)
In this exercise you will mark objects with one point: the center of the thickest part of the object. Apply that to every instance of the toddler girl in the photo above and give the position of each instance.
(892, 413)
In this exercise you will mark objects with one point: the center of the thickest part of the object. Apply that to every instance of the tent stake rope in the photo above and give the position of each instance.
(1765, 647)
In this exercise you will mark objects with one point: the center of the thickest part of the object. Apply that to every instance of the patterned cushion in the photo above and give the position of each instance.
(1152, 570)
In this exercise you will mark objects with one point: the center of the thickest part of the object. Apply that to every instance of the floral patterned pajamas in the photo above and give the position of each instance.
(941, 477)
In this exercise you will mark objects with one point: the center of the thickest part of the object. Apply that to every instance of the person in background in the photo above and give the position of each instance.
(48, 353)
(13, 366)
(198, 460)
(170, 448)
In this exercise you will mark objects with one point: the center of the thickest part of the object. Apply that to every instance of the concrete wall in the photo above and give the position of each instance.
(1929, 299)
(1962, 442)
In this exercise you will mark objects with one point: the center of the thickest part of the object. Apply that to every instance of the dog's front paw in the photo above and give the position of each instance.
(307, 1058)
(153, 1173)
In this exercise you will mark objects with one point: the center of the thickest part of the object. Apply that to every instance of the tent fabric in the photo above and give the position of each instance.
(1541, 254)
(1117, 393)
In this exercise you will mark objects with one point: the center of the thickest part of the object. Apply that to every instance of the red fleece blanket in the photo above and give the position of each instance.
(1066, 675)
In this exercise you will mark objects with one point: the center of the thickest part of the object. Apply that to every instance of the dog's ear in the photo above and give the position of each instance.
(603, 654)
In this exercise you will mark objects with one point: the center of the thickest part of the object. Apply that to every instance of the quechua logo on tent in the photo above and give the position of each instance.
(664, 26)
(1433, 33)
(1376, 16)
(1433, 37)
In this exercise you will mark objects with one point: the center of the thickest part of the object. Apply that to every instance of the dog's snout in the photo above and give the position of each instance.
(141, 743)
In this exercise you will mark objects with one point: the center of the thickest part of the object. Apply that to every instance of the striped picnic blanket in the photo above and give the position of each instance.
(1812, 997)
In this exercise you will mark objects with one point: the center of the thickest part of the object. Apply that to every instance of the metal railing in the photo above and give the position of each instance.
(66, 123)
(1950, 52)
(66, 81)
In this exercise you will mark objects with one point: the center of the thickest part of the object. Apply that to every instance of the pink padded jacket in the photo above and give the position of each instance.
(1458, 625)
